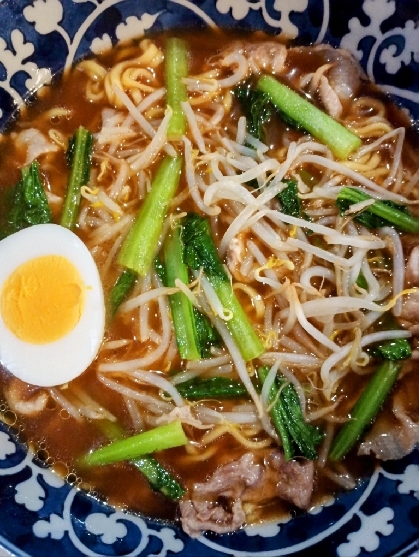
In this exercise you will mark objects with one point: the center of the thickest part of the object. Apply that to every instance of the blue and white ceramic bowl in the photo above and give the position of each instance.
(40, 515)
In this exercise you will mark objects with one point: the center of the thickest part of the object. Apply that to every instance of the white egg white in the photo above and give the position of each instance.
(60, 361)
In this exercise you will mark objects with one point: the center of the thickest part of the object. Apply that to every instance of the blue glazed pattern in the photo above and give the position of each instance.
(40, 514)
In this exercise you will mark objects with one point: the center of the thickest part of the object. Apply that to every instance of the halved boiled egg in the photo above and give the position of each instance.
(52, 311)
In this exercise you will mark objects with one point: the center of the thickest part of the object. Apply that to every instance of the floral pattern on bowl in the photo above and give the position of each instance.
(42, 515)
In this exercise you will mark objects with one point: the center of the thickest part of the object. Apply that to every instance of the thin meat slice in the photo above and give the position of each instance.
(217, 504)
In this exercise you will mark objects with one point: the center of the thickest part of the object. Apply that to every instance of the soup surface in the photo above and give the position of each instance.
(275, 284)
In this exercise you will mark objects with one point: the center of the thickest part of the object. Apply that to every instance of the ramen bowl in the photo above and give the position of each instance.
(40, 513)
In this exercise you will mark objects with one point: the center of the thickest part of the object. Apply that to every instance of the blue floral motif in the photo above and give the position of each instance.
(367, 536)
(393, 47)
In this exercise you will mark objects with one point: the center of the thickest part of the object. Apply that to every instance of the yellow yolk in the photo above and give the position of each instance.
(43, 299)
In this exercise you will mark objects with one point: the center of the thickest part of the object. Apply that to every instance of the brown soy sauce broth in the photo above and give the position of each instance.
(59, 439)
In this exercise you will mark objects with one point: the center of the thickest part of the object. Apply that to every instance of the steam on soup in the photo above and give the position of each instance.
(252, 212)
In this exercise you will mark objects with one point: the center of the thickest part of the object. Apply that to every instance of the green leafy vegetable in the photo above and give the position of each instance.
(26, 203)
(257, 108)
(296, 435)
(361, 281)
(393, 349)
(291, 203)
(176, 68)
(79, 156)
(138, 249)
(380, 213)
(339, 139)
(207, 335)
(121, 290)
(156, 474)
(396, 349)
(200, 252)
(157, 439)
(182, 309)
(213, 387)
(159, 478)
(366, 408)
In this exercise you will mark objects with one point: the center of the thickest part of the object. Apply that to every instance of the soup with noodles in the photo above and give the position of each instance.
(252, 212)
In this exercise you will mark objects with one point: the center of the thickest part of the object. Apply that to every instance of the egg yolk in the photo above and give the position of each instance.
(43, 299)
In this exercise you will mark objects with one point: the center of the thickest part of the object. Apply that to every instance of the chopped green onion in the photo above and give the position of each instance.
(157, 439)
(366, 408)
(139, 247)
(79, 157)
(176, 69)
(339, 139)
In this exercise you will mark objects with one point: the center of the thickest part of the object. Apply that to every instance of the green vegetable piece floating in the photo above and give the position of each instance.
(290, 202)
(339, 139)
(157, 439)
(201, 252)
(176, 68)
(361, 281)
(121, 290)
(366, 409)
(156, 474)
(26, 203)
(79, 156)
(207, 334)
(380, 213)
(213, 387)
(288, 419)
(182, 309)
(139, 247)
(159, 478)
(257, 108)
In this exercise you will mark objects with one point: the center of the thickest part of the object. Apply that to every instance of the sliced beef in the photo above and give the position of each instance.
(412, 267)
(396, 432)
(295, 479)
(25, 399)
(217, 504)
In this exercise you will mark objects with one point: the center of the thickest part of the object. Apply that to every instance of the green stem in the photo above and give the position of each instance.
(79, 156)
(182, 309)
(157, 439)
(339, 139)
(176, 68)
(386, 210)
(366, 409)
(157, 476)
(139, 247)
(239, 326)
